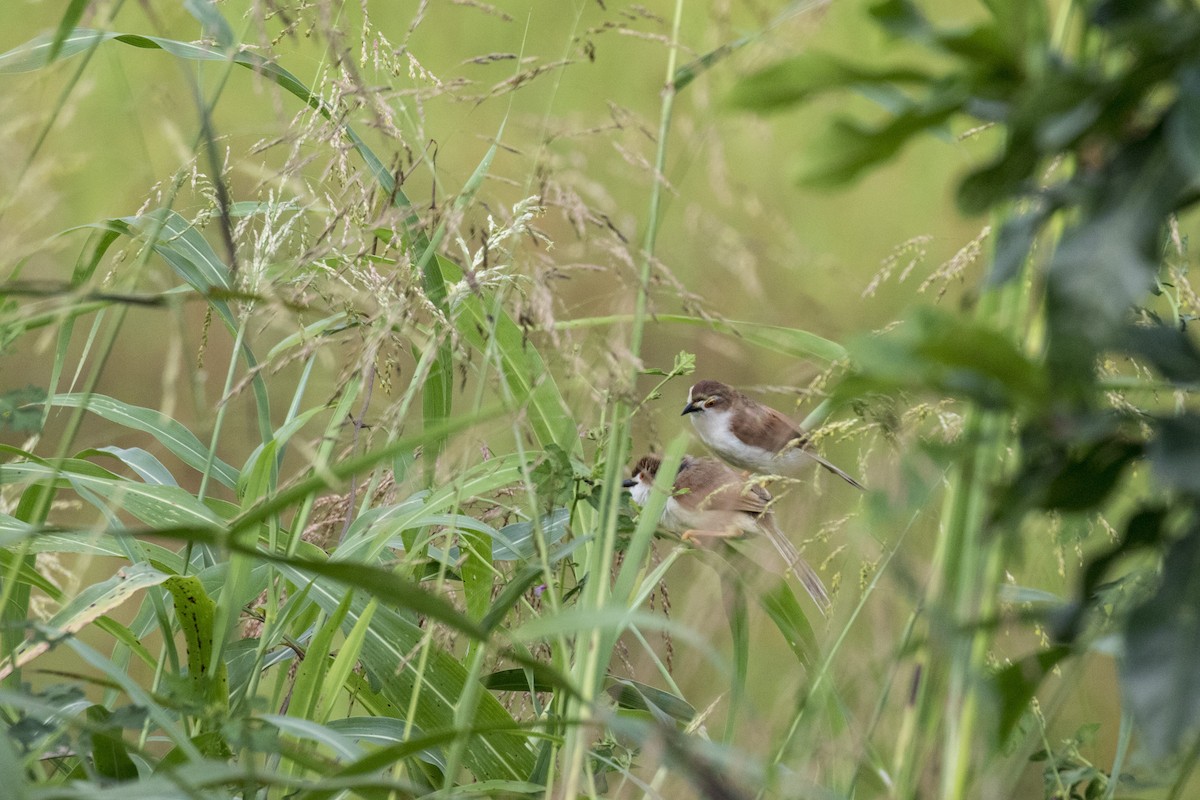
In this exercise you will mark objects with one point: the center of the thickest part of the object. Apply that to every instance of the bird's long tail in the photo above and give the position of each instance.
(836, 471)
(796, 563)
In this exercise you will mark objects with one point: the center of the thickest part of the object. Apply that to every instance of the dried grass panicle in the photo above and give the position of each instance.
(903, 257)
(957, 264)
(324, 530)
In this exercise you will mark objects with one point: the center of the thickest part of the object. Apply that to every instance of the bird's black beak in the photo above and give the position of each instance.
(692, 408)
(629, 483)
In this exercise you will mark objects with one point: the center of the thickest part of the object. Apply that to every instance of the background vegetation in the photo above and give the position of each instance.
(328, 331)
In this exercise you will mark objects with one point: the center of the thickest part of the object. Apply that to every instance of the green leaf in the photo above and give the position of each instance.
(1015, 685)
(196, 613)
(68, 22)
(110, 756)
(781, 605)
(663, 706)
(310, 681)
(1168, 350)
(1175, 452)
(801, 77)
(533, 388)
(147, 467)
(531, 678)
(901, 18)
(946, 354)
(849, 147)
(1145, 528)
(161, 506)
(515, 541)
(1014, 240)
(739, 629)
(1184, 120)
(1159, 679)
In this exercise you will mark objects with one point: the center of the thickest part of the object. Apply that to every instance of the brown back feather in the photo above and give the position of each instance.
(765, 424)
(697, 475)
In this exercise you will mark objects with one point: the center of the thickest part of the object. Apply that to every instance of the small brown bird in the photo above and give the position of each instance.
(749, 435)
(710, 499)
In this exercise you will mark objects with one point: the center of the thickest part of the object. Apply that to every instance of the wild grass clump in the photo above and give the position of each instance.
(315, 437)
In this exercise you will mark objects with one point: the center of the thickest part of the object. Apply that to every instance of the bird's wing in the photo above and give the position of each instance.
(712, 486)
(764, 424)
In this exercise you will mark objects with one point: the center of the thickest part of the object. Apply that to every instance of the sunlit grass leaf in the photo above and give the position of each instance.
(341, 745)
(383, 731)
(739, 629)
(780, 603)
(530, 382)
(385, 758)
(67, 24)
(310, 677)
(12, 530)
(169, 433)
(516, 586)
(89, 543)
(334, 323)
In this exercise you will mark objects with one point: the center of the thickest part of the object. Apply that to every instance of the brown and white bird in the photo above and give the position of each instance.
(750, 435)
(711, 500)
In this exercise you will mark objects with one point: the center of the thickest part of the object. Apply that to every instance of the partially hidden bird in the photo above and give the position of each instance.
(752, 436)
(711, 500)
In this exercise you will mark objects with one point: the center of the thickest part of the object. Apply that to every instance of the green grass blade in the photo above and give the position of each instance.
(786, 341)
(387, 653)
(169, 433)
(88, 606)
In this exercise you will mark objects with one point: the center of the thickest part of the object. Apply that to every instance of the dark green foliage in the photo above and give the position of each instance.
(1100, 140)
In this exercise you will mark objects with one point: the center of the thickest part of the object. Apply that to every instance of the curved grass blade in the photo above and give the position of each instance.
(169, 433)
(788, 341)
(165, 506)
(147, 467)
(387, 653)
(87, 607)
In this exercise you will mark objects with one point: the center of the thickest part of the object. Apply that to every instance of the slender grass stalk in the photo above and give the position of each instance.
(589, 669)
